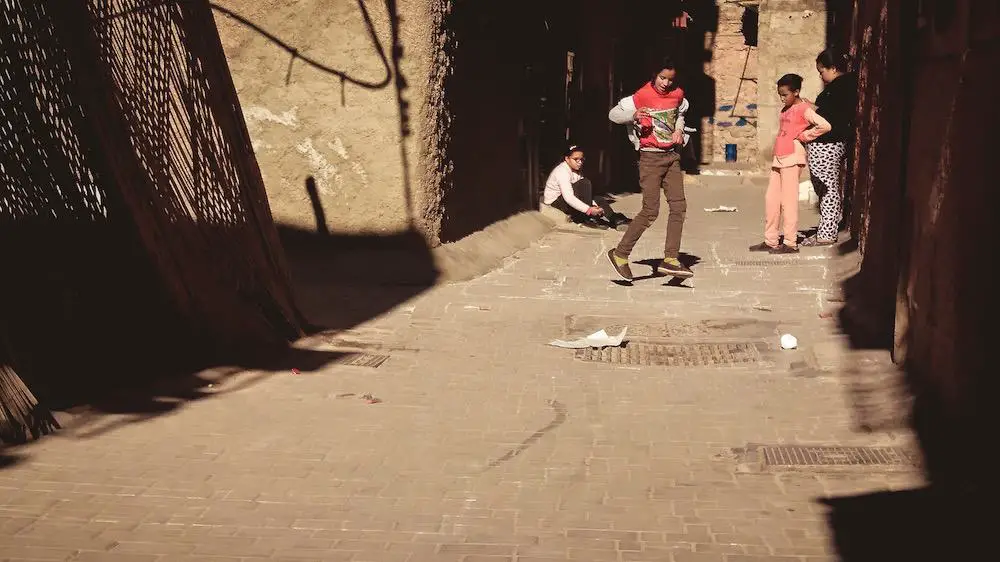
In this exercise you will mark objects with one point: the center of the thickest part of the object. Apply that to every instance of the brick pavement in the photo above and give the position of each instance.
(488, 446)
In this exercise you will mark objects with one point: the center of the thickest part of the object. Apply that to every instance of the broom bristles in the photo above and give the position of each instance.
(21, 416)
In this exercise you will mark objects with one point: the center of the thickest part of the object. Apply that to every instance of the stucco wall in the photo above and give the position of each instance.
(306, 122)
(792, 33)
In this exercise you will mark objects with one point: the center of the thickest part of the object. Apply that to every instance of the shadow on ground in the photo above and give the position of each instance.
(8, 460)
(689, 260)
(945, 520)
(340, 281)
(922, 524)
(105, 342)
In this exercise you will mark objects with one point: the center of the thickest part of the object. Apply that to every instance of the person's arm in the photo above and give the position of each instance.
(566, 189)
(819, 127)
(624, 112)
(678, 135)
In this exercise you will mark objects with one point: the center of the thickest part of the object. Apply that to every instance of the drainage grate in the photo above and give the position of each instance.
(371, 360)
(685, 355)
(767, 263)
(803, 455)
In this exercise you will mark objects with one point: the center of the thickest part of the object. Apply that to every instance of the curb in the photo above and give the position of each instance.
(483, 251)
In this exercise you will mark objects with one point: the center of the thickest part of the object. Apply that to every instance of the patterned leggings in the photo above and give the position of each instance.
(826, 159)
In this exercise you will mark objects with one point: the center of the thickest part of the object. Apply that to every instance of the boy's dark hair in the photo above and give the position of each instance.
(665, 63)
(833, 57)
(793, 81)
(572, 148)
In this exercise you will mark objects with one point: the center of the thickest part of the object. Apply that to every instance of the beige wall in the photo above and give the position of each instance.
(792, 33)
(345, 136)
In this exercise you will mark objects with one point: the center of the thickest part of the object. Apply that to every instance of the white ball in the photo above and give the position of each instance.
(788, 341)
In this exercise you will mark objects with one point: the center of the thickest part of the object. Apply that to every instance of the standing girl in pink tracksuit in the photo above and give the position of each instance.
(799, 123)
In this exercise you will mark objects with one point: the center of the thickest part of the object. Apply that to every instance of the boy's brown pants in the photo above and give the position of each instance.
(658, 171)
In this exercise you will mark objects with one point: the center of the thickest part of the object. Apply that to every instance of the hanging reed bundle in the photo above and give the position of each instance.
(135, 232)
(21, 417)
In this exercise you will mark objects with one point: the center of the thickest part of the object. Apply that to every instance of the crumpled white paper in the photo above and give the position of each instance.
(600, 338)
(721, 209)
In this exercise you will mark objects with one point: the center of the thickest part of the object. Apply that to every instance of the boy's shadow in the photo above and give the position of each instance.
(689, 260)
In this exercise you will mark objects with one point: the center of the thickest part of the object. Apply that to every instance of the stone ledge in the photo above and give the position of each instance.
(483, 251)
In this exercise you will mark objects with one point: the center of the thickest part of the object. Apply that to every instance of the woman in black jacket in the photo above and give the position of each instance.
(826, 155)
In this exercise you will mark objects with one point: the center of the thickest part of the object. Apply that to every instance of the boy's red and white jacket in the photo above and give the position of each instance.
(644, 138)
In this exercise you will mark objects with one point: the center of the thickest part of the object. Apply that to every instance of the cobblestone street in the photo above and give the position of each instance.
(481, 443)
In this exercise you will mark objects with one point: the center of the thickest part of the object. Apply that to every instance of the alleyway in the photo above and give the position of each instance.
(488, 445)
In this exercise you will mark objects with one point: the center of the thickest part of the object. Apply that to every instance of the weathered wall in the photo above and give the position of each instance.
(736, 108)
(874, 166)
(924, 189)
(307, 122)
(947, 285)
(792, 33)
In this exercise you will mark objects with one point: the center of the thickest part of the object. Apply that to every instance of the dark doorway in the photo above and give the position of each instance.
(515, 112)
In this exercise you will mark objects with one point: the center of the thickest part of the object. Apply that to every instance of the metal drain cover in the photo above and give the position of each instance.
(371, 360)
(678, 355)
(810, 457)
(768, 263)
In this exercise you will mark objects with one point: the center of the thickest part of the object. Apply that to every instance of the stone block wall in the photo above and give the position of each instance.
(733, 63)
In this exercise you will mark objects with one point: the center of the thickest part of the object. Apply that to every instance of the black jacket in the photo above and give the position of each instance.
(837, 104)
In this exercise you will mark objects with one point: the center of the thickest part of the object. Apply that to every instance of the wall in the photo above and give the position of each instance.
(792, 33)
(946, 284)
(736, 108)
(306, 122)
(875, 172)
(923, 189)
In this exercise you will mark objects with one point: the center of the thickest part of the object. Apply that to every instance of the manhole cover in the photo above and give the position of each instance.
(767, 263)
(684, 355)
(363, 360)
(804, 457)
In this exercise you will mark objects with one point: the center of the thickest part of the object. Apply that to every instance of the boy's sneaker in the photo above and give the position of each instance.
(620, 265)
(673, 266)
(762, 247)
(784, 249)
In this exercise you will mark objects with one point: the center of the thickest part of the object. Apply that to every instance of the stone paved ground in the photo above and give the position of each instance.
(488, 445)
